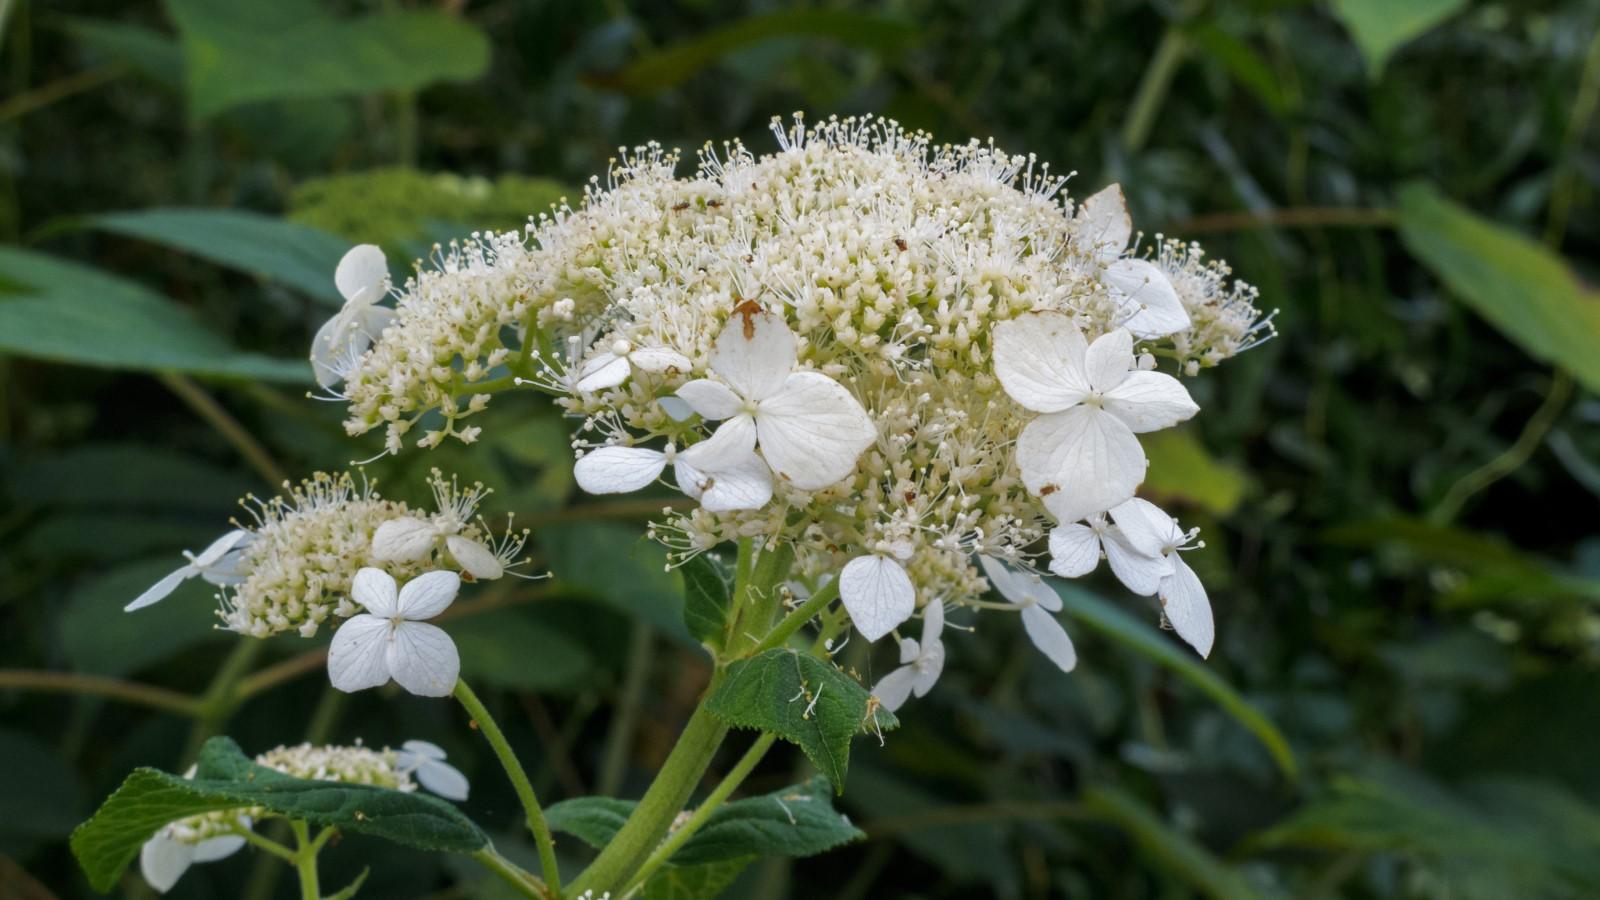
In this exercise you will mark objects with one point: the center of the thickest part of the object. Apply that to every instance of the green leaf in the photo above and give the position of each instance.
(1381, 26)
(241, 51)
(1181, 468)
(707, 598)
(144, 50)
(227, 779)
(349, 890)
(693, 882)
(1119, 626)
(614, 565)
(299, 256)
(679, 62)
(97, 636)
(800, 698)
(395, 205)
(511, 649)
(593, 820)
(1180, 855)
(60, 311)
(1524, 290)
(795, 821)
(1242, 62)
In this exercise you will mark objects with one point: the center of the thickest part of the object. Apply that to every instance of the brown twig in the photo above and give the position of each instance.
(1293, 217)
(100, 686)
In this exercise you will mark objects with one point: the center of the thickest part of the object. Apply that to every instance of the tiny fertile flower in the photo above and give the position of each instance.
(723, 472)
(809, 428)
(920, 663)
(1144, 293)
(612, 367)
(390, 640)
(413, 538)
(1184, 603)
(1081, 457)
(1075, 551)
(877, 593)
(363, 279)
(1038, 601)
(425, 762)
(217, 563)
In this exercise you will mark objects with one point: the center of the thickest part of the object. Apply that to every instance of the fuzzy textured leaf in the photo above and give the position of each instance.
(798, 820)
(693, 882)
(593, 820)
(707, 597)
(800, 698)
(227, 779)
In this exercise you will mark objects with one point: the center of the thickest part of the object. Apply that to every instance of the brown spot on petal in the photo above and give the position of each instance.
(749, 309)
(1049, 489)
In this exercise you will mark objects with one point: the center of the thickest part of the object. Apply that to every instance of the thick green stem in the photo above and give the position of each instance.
(519, 781)
(667, 795)
(717, 797)
(801, 615)
(513, 875)
(305, 861)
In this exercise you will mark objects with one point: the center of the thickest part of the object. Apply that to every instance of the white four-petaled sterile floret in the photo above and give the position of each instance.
(392, 640)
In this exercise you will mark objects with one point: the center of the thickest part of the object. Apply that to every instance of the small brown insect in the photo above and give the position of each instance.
(1048, 489)
(911, 496)
(714, 204)
(749, 309)
(680, 207)
(900, 243)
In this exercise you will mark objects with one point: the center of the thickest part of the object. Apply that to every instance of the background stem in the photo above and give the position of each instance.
(519, 781)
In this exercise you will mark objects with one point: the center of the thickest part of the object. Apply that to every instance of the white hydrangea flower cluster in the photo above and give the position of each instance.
(901, 358)
(291, 568)
(211, 836)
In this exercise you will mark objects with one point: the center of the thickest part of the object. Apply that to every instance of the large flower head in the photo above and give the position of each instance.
(890, 354)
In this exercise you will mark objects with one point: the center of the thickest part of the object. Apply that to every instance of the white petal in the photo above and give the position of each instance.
(1146, 293)
(754, 353)
(618, 470)
(357, 657)
(676, 408)
(429, 594)
(1080, 462)
(403, 540)
(374, 319)
(1149, 529)
(443, 779)
(157, 592)
(1019, 587)
(423, 659)
(894, 689)
(932, 624)
(877, 593)
(361, 269)
(746, 484)
(326, 352)
(1140, 572)
(659, 359)
(1103, 220)
(729, 444)
(604, 371)
(163, 861)
(1188, 610)
(929, 669)
(375, 589)
(1048, 635)
(1109, 359)
(1150, 401)
(213, 849)
(909, 650)
(423, 749)
(812, 431)
(711, 399)
(1038, 358)
(1074, 550)
(220, 547)
(227, 569)
(474, 558)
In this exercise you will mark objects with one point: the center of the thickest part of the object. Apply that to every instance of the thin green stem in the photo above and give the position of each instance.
(221, 698)
(619, 738)
(1562, 188)
(519, 781)
(524, 883)
(713, 801)
(207, 407)
(799, 617)
(101, 686)
(758, 597)
(1153, 87)
(268, 844)
(305, 861)
(1555, 400)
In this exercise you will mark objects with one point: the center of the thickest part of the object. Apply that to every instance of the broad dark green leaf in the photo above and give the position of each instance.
(677, 63)
(227, 779)
(60, 311)
(593, 820)
(1121, 627)
(97, 636)
(617, 567)
(1381, 26)
(798, 820)
(800, 698)
(145, 50)
(1524, 290)
(693, 882)
(1183, 858)
(241, 51)
(299, 256)
(707, 598)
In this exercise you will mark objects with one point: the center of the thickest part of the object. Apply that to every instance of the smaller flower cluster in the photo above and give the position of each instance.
(292, 567)
(211, 836)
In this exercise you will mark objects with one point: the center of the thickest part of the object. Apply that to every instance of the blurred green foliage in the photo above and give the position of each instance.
(1398, 494)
